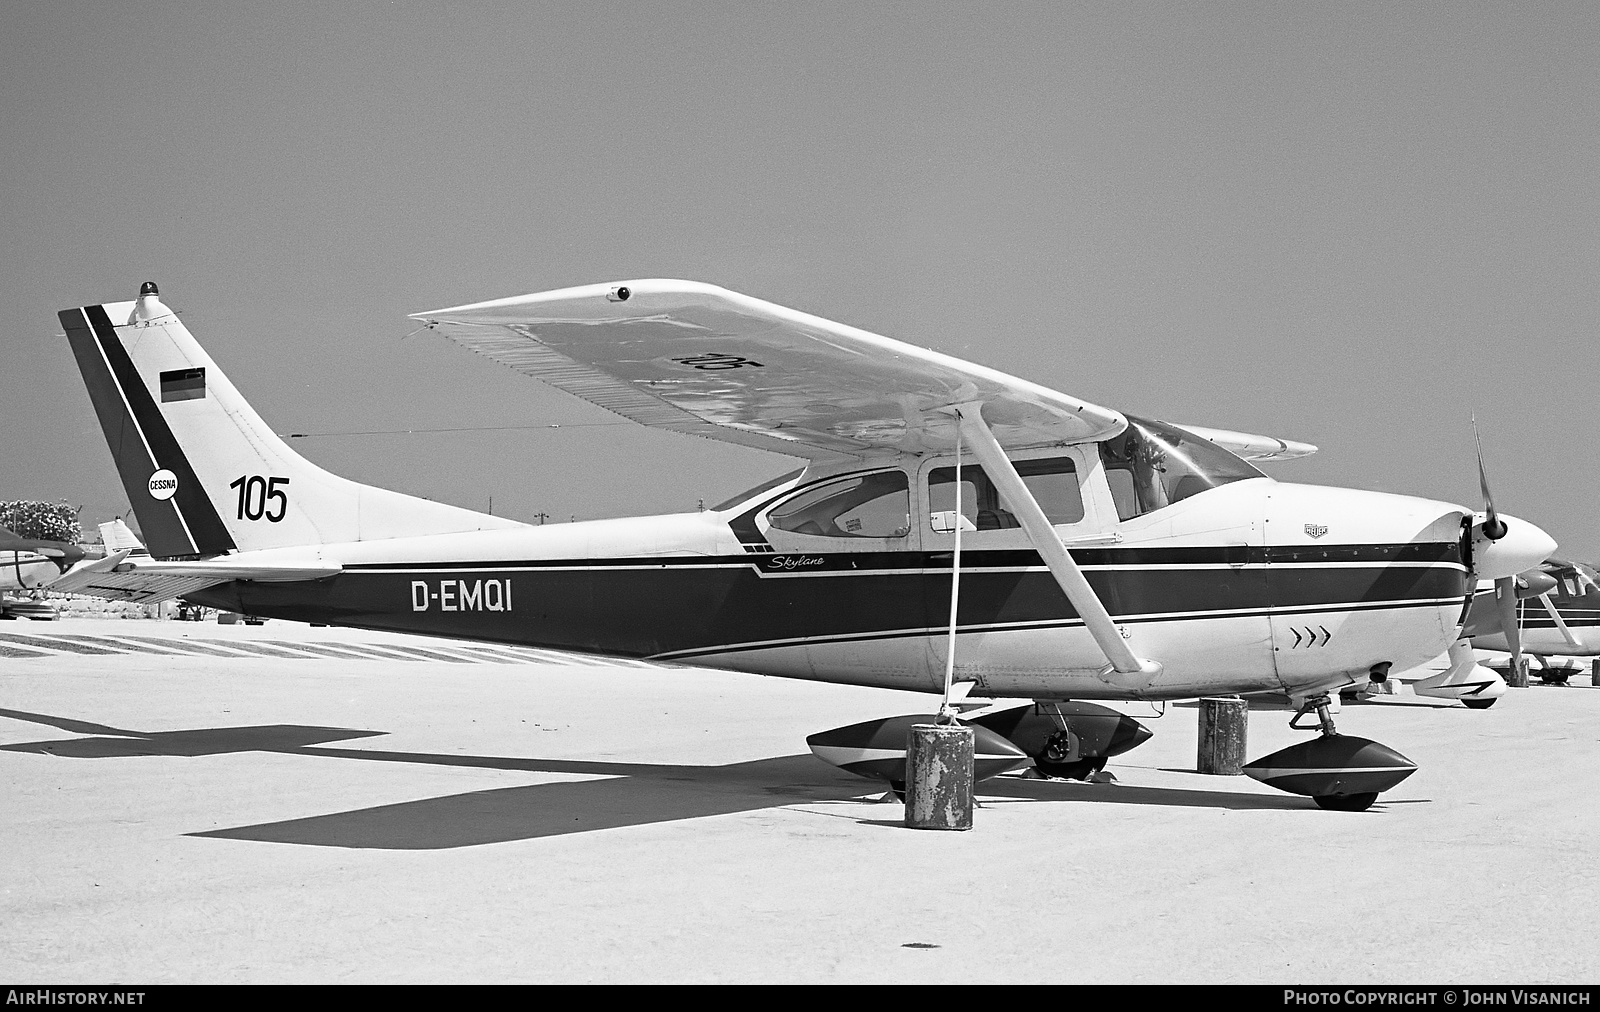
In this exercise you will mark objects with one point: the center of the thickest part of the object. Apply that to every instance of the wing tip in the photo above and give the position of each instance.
(592, 295)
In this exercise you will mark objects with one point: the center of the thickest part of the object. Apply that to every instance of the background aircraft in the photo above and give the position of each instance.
(28, 564)
(1556, 615)
(1108, 556)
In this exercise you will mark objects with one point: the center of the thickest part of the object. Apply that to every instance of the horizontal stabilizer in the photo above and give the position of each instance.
(98, 578)
(127, 577)
(220, 570)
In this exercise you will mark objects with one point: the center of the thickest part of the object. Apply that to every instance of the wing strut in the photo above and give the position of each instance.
(1125, 669)
(1572, 641)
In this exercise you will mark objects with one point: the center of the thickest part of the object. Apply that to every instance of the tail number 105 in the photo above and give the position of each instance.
(254, 494)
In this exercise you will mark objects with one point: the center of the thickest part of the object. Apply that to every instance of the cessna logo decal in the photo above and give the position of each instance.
(1315, 530)
(163, 485)
(462, 595)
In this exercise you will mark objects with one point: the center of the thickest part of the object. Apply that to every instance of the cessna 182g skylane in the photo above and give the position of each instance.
(1105, 556)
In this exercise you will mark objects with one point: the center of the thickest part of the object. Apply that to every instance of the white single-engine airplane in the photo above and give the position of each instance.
(27, 564)
(1102, 556)
(1555, 612)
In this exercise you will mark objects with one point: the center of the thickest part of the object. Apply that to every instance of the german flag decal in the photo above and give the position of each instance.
(183, 384)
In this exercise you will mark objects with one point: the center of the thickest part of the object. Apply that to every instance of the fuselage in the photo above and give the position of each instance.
(843, 574)
(26, 570)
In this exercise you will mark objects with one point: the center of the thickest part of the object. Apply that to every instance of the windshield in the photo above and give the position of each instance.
(1153, 464)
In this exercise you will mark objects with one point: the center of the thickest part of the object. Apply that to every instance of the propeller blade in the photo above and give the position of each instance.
(1493, 527)
(1505, 606)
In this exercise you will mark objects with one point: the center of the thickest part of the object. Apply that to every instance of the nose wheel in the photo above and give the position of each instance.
(1319, 707)
(1345, 802)
(1341, 773)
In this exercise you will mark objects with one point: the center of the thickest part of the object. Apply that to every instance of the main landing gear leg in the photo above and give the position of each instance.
(1061, 758)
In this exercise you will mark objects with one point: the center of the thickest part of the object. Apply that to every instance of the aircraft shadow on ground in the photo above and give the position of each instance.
(1018, 789)
(629, 794)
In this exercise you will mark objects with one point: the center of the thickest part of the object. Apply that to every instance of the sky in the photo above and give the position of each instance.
(1357, 225)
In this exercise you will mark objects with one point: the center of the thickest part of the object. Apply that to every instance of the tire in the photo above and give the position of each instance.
(1081, 769)
(1477, 704)
(1346, 802)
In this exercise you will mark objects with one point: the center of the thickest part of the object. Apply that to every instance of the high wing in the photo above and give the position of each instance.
(702, 360)
(63, 553)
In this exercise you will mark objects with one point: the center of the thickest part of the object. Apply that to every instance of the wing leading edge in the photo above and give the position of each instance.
(1260, 449)
(702, 360)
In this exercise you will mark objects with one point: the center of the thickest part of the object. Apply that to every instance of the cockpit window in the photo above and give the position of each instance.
(1053, 482)
(1153, 464)
(876, 505)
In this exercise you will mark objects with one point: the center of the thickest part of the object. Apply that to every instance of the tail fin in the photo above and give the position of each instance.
(116, 537)
(204, 473)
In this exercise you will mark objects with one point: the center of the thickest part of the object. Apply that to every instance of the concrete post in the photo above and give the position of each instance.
(939, 776)
(1223, 722)
(1517, 675)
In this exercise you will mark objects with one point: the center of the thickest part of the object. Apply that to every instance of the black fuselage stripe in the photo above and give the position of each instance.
(648, 612)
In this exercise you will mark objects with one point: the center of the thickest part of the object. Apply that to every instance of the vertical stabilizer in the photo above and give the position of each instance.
(116, 537)
(204, 473)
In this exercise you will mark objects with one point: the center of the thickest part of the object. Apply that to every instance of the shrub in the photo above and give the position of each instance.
(41, 521)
